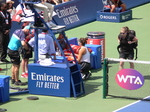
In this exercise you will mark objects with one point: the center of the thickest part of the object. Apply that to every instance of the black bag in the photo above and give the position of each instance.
(134, 45)
(38, 22)
(26, 53)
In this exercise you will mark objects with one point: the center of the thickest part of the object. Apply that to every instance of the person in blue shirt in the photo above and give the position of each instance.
(17, 40)
(45, 44)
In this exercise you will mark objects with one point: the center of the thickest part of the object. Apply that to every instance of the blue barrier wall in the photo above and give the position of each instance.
(79, 12)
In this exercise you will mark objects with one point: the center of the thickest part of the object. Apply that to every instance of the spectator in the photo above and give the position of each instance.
(10, 8)
(5, 26)
(116, 3)
(17, 40)
(21, 12)
(125, 39)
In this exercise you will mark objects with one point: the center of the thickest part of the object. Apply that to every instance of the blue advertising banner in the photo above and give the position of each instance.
(73, 13)
(77, 12)
(49, 80)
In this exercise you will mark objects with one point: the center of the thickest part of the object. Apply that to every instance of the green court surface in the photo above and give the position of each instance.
(92, 101)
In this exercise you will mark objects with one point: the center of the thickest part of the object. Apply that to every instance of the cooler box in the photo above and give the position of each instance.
(92, 60)
(73, 41)
(4, 88)
(96, 52)
(59, 59)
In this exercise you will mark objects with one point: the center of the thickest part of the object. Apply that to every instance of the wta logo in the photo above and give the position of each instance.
(129, 79)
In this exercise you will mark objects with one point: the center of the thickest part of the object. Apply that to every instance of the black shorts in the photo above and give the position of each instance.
(14, 57)
(129, 56)
(26, 54)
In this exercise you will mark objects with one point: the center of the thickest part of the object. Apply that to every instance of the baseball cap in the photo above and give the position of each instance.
(9, 1)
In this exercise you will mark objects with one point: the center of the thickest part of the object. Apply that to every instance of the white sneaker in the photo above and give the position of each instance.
(51, 24)
(83, 76)
(58, 27)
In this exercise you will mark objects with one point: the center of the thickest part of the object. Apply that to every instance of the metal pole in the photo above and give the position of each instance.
(104, 78)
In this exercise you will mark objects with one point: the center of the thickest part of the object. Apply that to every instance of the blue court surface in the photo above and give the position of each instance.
(138, 106)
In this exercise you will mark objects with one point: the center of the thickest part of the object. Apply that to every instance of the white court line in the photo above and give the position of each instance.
(130, 104)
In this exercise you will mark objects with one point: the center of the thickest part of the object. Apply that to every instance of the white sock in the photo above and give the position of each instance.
(23, 72)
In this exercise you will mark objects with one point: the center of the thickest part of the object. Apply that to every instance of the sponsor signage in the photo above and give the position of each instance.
(48, 80)
(129, 79)
(74, 13)
(78, 12)
(114, 17)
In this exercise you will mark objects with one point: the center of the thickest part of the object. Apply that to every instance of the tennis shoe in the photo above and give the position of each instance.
(19, 83)
(24, 75)
(88, 75)
(51, 24)
(83, 76)
(12, 81)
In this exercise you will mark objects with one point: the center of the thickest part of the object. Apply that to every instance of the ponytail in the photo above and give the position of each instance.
(83, 41)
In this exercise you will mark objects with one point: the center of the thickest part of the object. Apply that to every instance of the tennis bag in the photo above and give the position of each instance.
(134, 45)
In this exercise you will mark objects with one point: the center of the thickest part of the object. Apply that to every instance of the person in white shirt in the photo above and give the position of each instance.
(47, 9)
(83, 59)
(45, 44)
(10, 8)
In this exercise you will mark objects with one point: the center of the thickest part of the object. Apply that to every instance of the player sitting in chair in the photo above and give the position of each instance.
(116, 3)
